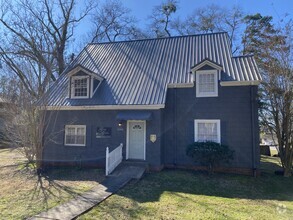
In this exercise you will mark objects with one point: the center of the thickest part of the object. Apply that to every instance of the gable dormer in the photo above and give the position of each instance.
(206, 75)
(83, 83)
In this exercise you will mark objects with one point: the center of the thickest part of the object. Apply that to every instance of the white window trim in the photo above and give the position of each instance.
(217, 121)
(206, 94)
(75, 126)
(73, 88)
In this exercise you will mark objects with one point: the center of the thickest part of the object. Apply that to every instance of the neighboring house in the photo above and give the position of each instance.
(156, 96)
(268, 139)
(4, 118)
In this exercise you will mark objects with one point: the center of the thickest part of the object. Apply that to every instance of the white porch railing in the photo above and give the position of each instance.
(113, 158)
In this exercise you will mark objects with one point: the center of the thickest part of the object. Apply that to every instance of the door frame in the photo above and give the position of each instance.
(144, 139)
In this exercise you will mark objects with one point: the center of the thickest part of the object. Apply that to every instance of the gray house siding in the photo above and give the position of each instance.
(173, 126)
(238, 122)
(94, 152)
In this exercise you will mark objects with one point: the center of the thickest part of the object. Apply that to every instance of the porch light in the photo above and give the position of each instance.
(120, 123)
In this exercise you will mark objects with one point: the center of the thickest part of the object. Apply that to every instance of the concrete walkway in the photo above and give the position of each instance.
(80, 204)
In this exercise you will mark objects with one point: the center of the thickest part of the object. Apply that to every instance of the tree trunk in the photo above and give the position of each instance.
(287, 172)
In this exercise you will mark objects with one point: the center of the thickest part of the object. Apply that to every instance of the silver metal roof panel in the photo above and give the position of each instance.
(138, 72)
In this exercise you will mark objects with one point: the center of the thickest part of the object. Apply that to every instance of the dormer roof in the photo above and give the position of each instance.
(79, 68)
(207, 62)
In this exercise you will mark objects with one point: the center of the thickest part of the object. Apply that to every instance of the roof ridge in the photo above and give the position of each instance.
(161, 38)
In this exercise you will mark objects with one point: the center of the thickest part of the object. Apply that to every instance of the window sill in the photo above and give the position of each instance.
(80, 97)
(74, 145)
(206, 95)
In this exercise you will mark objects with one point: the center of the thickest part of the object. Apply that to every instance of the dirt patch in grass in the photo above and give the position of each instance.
(23, 193)
(179, 194)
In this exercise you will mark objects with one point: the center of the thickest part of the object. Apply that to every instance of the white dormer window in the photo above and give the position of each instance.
(80, 87)
(83, 83)
(206, 83)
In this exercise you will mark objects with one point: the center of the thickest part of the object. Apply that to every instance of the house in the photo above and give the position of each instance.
(156, 96)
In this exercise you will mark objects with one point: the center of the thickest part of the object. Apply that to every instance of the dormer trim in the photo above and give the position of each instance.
(206, 62)
(78, 68)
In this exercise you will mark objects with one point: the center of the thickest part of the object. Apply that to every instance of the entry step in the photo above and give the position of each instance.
(133, 169)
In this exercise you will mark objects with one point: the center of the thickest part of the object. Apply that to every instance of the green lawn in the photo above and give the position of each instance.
(170, 194)
(178, 194)
(24, 194)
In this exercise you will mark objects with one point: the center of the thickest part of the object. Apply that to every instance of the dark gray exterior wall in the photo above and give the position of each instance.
(94, 151)
(173, 125)
(236, 107)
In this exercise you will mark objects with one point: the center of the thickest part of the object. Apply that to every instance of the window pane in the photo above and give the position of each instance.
(80, 87)
(207, 132)
(70, 131)
(206, 82)
(70, 139)
(80, 139)
(75, 135)
(80, 131)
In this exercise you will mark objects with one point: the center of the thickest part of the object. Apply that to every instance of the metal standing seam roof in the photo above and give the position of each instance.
(138, 72)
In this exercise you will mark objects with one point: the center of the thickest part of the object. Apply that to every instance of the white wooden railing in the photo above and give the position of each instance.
(113, 158)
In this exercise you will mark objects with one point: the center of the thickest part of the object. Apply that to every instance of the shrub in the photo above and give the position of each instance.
(209, 153)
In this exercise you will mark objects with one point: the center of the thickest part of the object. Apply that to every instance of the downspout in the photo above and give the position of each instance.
(253, 129)
(175, 125)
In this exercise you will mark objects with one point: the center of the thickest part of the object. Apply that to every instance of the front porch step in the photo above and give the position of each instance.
(133, 169)
(137, 163)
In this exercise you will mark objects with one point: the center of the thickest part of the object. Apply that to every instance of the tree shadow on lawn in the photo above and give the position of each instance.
(59, 185)
(28, 192)
(74, 174)
(270, 164)
(266, 187)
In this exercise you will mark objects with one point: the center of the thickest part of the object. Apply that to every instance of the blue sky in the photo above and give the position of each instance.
(276, 8)
(141, 9)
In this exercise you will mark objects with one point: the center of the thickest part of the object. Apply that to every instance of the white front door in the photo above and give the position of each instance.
(136, 140)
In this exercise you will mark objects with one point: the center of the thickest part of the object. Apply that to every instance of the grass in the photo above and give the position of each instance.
(178, 194)
(23, 193)
(170, 194)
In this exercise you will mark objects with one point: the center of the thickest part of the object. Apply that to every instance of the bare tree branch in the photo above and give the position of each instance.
(38, 34)
(161, 18)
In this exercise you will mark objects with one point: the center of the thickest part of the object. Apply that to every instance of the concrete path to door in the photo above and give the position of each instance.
(80, 204)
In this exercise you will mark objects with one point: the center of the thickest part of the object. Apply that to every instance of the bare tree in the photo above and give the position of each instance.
(272, 47)
(161, 18)
(206, 20)
(212, 18)
(112, 21)
(26, 128)
(35, 38)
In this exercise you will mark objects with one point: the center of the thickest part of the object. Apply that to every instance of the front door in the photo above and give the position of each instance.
(136, 140)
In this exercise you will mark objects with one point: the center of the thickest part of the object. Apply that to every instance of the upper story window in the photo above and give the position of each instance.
(80, 87)
(83, 83)
(207, 130)
(206, 83)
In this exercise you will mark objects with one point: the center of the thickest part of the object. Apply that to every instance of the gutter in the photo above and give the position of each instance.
(104, 107)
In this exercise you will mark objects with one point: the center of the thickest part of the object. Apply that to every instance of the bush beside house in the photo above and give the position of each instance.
(210, 154)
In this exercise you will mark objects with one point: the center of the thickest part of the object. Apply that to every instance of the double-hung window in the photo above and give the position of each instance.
(206, 83)
(207, 130)
(75, 135)
(80, 87)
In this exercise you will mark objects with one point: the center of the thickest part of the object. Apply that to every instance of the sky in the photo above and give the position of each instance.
(141, 9)
(276, 8)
